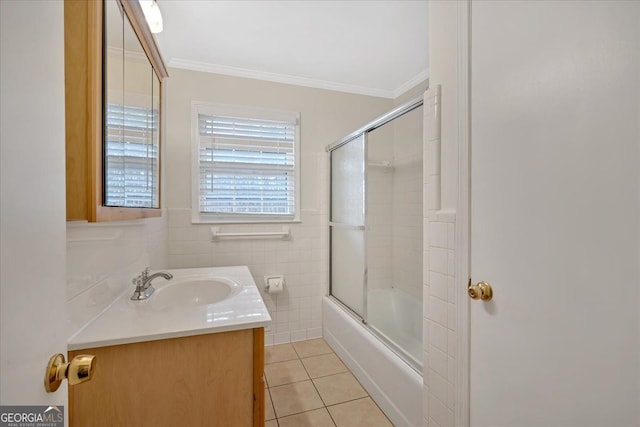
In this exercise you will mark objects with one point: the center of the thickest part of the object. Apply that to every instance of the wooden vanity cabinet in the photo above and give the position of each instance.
(202, 380)
(86, 99)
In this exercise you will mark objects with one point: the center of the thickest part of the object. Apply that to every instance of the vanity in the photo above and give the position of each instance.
(188, 355)
(192, 354)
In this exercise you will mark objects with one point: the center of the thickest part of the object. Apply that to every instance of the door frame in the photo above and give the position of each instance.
(463, 214)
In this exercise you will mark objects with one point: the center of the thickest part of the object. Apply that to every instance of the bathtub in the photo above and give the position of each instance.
(398, 317)
(391, 381)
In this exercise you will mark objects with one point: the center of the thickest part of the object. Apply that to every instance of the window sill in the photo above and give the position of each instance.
(240, 221)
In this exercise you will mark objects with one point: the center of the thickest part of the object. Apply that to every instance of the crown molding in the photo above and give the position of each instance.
(128, 54)
(418, 78)
(186, 64)
(278, 78)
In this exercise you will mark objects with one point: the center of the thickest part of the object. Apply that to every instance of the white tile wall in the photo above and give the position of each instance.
(297, 312)
(439, 311)
(103, 257)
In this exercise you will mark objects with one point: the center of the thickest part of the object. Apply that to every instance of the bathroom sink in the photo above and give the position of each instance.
(187, 292)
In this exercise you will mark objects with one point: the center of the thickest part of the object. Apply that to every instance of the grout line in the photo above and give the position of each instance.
(296, 351)
(314, 384)
(316, 355)
(315, 388)
(331, 416)
(308, 410)
(326, 407)
(316, 378)
(352, 400)
(280, 361)
(337, 373)
(368, 396)
(311, 355)
(282, 385)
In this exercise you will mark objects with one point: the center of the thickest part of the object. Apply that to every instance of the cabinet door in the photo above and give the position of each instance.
(131, 145)
(113, 74)
(114, 112)
(202, 380)
(131, 156)
(156, 103)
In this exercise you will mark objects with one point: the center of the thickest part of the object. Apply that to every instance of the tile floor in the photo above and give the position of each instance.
(309, 386)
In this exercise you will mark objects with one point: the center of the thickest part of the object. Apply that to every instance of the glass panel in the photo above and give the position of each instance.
(347, 183)
(347, 233)
(155, 140)
(347, 267)
(394, 227)
(380, 207)
(113, 82)
(132, 122)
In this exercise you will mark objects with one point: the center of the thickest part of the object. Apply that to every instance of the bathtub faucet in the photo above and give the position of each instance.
(143, 283)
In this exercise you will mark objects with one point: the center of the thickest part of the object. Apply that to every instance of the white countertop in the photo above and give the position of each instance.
(127, 321)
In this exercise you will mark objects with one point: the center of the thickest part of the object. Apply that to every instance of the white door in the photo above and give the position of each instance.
(554, 213)
(33, 323)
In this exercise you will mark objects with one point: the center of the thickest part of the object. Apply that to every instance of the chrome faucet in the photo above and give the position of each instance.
(143, 283)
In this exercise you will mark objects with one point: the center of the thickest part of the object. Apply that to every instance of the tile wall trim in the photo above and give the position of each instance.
(440, 308)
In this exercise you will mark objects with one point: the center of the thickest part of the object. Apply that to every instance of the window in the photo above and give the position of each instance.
(245, 164)
(131, 157)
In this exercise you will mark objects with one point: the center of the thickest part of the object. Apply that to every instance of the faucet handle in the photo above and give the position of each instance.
(145, 274)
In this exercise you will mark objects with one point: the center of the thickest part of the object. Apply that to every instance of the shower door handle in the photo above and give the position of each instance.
(481, 291)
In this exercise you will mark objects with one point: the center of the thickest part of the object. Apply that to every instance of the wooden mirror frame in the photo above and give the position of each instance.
(84, 108)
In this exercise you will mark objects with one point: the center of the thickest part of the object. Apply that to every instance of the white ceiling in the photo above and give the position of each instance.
(369, 47)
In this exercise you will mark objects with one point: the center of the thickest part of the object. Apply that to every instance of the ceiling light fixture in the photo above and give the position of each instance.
(152, 14)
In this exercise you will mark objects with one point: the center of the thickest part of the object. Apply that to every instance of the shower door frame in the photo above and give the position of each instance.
(363, 132)
(362, 227)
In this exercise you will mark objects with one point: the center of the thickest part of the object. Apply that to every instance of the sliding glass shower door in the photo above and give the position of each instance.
(375, 226)
(347, 225)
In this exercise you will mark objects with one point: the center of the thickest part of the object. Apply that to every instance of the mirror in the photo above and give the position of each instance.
(131, 143)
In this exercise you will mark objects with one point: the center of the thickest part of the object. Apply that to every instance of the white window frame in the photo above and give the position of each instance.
(229, 110)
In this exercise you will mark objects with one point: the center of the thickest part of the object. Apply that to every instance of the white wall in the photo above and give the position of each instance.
(414, 92)
(32, 198)
(326, 116)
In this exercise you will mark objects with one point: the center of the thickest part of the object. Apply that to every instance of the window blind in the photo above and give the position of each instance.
(247, 166)
(131, 165)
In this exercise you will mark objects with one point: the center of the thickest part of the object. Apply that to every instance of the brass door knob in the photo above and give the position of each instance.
(481, 291)
(77, 371)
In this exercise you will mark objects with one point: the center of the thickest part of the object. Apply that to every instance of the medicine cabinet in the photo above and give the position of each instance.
(113, 109)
